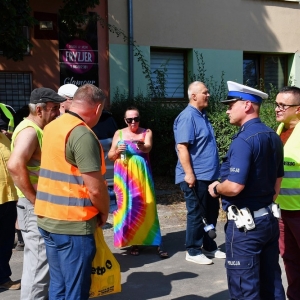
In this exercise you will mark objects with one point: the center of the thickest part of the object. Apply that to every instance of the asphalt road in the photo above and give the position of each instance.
(148, 277)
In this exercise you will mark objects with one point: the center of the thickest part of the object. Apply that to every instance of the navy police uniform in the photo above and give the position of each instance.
(255, 160)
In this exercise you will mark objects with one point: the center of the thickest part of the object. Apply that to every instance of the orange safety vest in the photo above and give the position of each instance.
(61, 192)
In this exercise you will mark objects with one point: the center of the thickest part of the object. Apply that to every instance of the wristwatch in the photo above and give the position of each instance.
(215, 190)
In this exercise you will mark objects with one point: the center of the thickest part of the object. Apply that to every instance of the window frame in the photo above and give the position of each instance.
(11, 93)
(185, 72)
(260, 61)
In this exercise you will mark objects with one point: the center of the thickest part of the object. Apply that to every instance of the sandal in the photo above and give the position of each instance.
(134, 250)
(162, 254)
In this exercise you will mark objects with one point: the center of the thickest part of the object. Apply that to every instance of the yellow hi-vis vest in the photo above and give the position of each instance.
(8, 114)
(289, 195)
(61, 192)
(33, 171)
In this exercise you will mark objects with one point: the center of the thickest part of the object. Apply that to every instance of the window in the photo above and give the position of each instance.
(168, 73)
(15, 89)
(271, 68)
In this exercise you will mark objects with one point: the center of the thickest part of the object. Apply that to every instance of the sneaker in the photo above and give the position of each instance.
(215, 254)
(19, 247)
(200, 259)
(11, 285)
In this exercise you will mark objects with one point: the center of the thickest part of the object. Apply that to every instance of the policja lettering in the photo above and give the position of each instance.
(234, 263)
(101, 270)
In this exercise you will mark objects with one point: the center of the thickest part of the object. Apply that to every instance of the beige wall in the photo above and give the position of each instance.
(248, 25)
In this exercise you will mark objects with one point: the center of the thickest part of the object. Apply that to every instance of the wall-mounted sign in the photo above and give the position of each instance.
(78, 57)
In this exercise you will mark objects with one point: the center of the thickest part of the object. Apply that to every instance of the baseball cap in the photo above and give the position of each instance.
(67, 90)
(44, 95)
(238, 91)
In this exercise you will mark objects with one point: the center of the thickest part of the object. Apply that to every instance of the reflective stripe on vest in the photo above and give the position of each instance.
(8, 114)
(33, 171)
(289, 195)
(62, 194)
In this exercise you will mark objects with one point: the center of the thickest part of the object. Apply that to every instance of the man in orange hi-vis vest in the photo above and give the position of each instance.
(72, 197)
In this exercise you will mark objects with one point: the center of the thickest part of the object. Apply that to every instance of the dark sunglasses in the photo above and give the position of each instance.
(130, 120)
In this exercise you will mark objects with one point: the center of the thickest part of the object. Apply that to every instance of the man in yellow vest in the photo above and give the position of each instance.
(288, 113)
(24, 167)
(72, 198)
(8, 215)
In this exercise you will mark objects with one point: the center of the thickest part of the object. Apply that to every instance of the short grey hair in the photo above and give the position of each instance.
(33, 106)
(192, 86)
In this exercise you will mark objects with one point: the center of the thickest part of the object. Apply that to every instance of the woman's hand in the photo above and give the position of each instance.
(140, 145)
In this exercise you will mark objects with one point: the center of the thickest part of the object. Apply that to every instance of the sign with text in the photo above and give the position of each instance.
(78, 56)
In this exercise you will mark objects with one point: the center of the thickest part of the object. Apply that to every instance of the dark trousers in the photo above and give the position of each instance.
(289, 244)
(196, 237)
(252, 261)
(8, 216)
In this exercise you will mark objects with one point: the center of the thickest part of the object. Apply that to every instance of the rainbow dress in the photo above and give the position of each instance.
(135, 221)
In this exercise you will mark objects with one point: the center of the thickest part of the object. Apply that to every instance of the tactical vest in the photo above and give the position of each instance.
(62, 193)
(289, 195)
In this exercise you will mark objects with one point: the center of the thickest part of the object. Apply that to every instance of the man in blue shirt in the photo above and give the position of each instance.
(197, 167)
(251, 174)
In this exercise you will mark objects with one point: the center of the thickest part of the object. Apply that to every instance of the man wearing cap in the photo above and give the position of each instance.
(288, 114)
(197, 167)
(24, 166)
(67, 91)
(251, 174)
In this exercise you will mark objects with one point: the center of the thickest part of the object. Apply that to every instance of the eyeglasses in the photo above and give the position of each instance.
(284, 107)
(130, 120)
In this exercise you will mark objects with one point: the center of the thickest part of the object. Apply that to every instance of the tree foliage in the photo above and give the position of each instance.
(15, 14)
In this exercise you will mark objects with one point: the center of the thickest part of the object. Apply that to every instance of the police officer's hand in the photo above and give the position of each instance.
(190, 179)
(211, 189)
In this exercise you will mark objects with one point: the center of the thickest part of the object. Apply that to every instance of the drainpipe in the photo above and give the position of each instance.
(130, 49)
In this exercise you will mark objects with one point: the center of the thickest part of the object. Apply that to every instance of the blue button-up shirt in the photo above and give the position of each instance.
(192, 126)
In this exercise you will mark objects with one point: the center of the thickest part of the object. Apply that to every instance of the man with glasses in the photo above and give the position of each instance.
(251, 174)
(288, 114)
(197, 167)
(24, 167)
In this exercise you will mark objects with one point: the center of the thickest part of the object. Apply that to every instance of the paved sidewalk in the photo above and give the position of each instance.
(148, 277)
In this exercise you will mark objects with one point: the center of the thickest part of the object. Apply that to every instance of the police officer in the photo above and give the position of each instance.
(251, 174)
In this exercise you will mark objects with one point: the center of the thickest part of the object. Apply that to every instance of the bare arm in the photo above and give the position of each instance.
(98, 193)
(146, 146)
(277, 187)
(26, 147)
(226, 188)
(184, 158)
(115, 151)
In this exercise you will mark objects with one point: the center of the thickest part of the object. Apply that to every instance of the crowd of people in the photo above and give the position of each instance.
(52, 183)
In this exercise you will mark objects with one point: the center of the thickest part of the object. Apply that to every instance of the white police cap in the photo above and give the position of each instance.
(67, 90)
(238, 91)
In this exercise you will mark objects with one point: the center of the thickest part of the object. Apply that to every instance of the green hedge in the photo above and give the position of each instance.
(160, 116)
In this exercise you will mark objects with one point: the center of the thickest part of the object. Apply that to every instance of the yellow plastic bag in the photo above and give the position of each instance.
(106, 272)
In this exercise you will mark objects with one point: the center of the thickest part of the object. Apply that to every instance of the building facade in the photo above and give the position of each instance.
(245, 40)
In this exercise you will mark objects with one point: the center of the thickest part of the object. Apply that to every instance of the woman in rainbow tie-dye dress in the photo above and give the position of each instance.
(136, 221)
